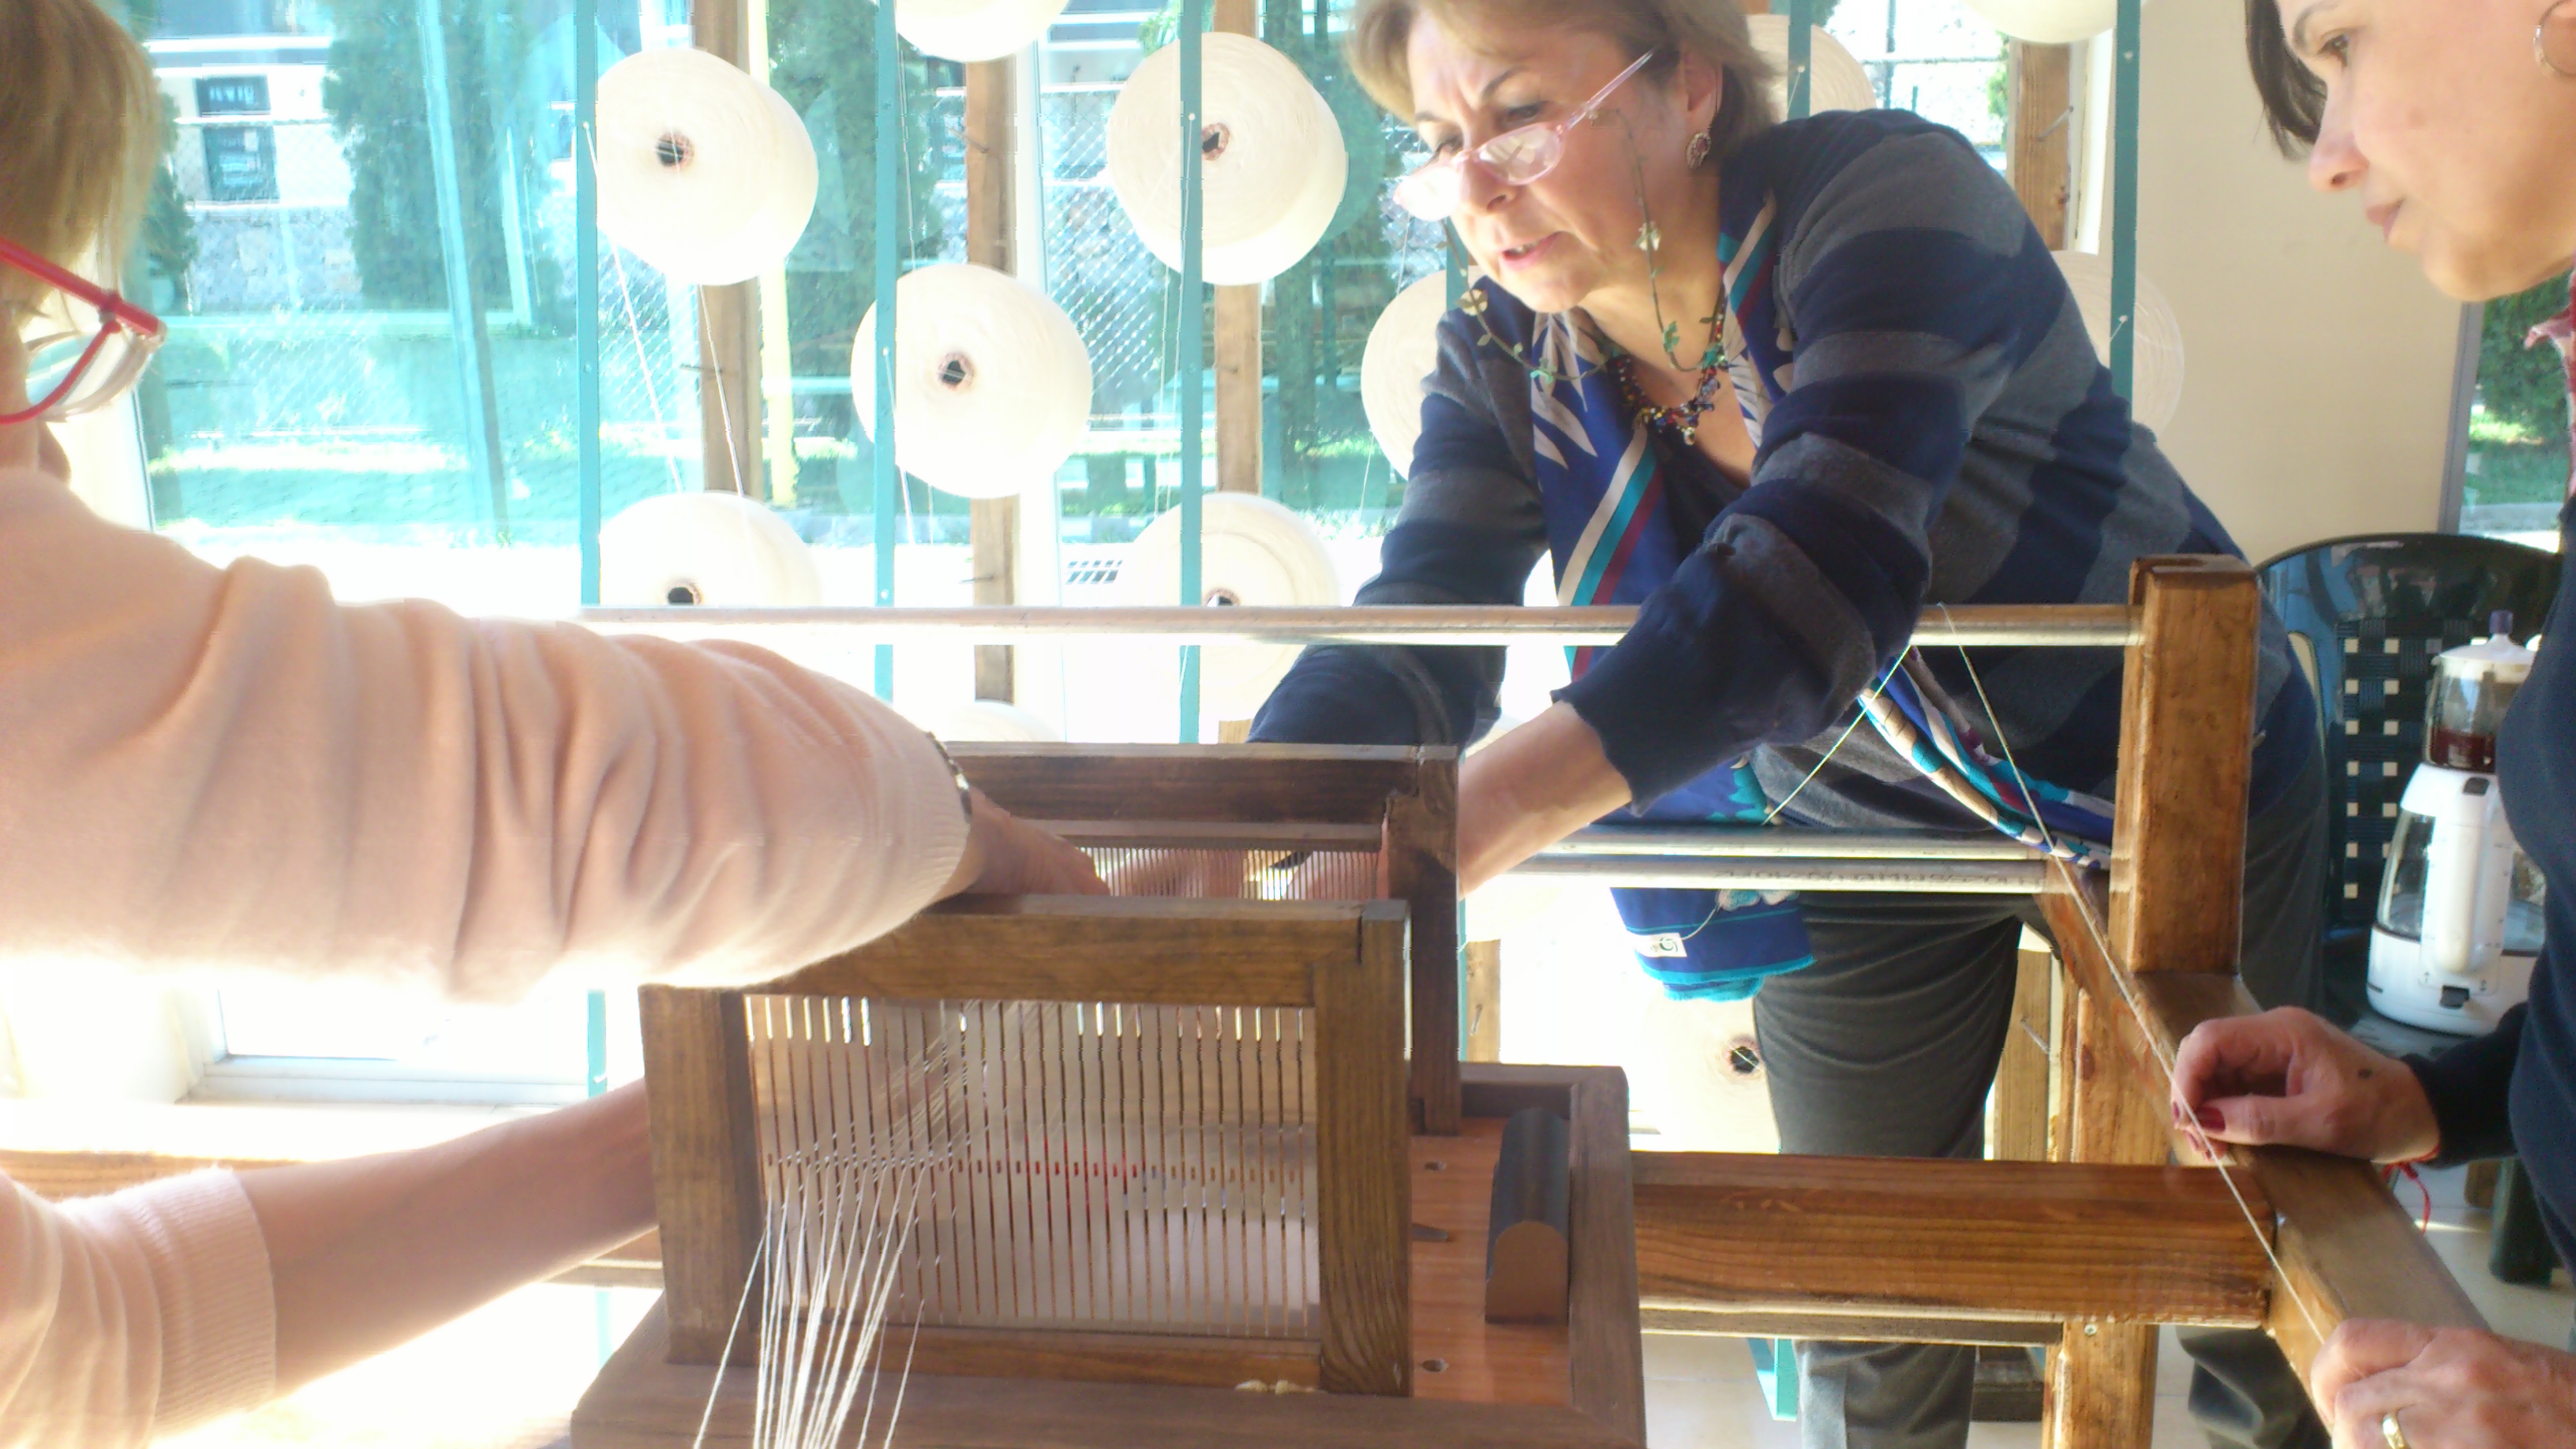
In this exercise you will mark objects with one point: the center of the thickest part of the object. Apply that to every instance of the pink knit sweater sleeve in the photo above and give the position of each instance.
(227, 768)
(131, 1317)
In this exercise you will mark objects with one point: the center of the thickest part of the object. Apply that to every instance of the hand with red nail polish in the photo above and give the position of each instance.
(2287, 1077)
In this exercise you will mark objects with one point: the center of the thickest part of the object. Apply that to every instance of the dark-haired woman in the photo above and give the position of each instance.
(1787, 388)
(2453, 123)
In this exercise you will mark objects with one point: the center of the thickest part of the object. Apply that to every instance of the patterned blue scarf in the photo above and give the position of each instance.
(1612, 539)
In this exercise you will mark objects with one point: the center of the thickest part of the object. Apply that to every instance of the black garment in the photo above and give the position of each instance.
(2514, 1089)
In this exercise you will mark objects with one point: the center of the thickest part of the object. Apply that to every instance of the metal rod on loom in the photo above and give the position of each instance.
(1772, 842)
(2071, 626)
(2023, 877)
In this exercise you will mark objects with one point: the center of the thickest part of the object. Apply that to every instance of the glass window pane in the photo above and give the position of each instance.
(2517, 464)
(364, 249)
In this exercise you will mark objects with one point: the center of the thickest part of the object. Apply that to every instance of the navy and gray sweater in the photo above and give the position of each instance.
(2514, 1089)
(1942, 433)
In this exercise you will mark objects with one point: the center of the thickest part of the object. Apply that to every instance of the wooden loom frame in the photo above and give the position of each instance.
(1402, 803)
(2091, 1251)
(1343, 963)
(1396, 804)
(640, 1401)
(2086, 1253)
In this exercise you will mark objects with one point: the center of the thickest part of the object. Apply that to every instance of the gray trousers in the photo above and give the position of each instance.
(1886, 1048)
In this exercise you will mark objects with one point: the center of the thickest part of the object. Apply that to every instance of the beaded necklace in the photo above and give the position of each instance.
(1680, 419)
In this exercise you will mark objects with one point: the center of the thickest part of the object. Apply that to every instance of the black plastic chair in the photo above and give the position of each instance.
(2367, 615)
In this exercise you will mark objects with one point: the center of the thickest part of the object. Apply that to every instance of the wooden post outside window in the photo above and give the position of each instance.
(2040, 142)
(994, 522)
(1238, 341)
(729, 317)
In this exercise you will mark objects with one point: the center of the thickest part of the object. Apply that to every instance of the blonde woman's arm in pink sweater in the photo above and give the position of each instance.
(226, 767)
(132, 1317)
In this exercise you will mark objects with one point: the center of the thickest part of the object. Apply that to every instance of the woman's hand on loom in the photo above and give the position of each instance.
(1530, 789)
(2450, 1388)
(2287, 1077)
(1009, 857)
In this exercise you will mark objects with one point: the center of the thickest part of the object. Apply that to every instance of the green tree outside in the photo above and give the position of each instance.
(374, 93)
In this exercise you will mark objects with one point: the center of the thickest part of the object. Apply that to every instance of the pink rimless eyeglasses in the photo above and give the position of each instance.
(1519, 156)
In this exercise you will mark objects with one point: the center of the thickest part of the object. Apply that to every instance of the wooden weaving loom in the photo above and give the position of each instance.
(1167, 1141)
(2086, 1252)
(2089, 1251)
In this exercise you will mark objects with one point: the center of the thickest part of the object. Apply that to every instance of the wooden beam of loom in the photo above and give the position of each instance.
(1239, 784)
(2100, 1392)
(1899, 1238)
(2155, 956)
(2347, 1247)
(1182, 796)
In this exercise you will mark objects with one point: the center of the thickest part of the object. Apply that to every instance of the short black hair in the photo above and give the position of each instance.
(2294, 100)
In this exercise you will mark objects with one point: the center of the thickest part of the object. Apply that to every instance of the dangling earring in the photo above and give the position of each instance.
(2540, 43)
(1695, 154)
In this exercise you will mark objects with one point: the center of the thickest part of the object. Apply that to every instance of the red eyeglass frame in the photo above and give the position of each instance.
(115, 315)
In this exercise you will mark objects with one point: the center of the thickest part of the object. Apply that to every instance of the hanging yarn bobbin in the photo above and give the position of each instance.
(704, 173)
(2048, 22)
(974, 30)
(1403, 349)
(1251, 552)
(991, 721)
(1836, 80)
(1272, 166)
(992, 383)
(718, 550)
(2157, 358)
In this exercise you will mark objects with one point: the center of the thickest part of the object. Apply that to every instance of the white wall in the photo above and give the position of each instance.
(2320, 362)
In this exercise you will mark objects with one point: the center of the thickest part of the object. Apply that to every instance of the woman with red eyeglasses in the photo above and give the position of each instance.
(227, 769)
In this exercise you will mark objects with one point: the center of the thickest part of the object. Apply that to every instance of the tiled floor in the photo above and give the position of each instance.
(1701, 1393)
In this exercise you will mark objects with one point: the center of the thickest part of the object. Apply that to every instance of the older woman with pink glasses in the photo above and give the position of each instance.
(1786, 387)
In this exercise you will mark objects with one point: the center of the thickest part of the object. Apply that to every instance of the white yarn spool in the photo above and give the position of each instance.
(1687, 1082)
(1251, 552)
(703, 172)
(2157, 376)
(992, 384)
(1504, 905)
(718, 549)
(1403, 348)
(1271, 160)
(972, 30)
(992, 721)
(1835, 79)
(2048, 22)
